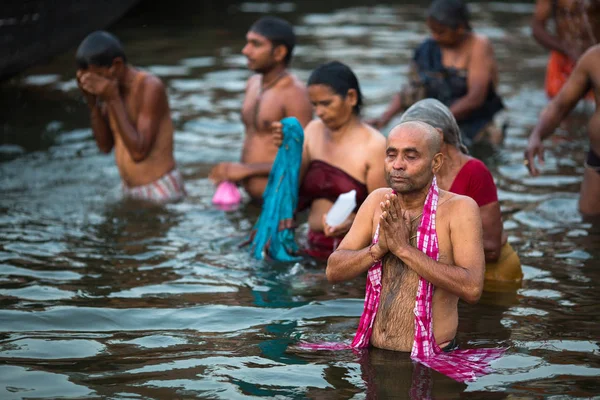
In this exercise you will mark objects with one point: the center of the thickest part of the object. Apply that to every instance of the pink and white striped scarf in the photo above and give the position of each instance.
(460, 365)
(169, 187)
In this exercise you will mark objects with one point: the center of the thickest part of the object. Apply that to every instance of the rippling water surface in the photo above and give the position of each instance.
(101, 297)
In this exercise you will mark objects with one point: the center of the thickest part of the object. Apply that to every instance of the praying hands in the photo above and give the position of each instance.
(394, 224)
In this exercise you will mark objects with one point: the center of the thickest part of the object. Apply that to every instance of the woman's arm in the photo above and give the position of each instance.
(478, 81)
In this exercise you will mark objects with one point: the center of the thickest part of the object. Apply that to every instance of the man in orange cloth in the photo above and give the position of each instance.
(577, 28)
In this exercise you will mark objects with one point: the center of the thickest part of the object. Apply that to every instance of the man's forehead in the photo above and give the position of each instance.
(407, 137)
(252, 35)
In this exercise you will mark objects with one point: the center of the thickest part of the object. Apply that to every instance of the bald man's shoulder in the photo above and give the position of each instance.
(456, 204)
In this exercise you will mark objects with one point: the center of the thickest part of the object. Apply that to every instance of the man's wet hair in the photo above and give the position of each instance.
(279, 32)
(99, 48)
(451, 13)
(340, 78)
(433, 112)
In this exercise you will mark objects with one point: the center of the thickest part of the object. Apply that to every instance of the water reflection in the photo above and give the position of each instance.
(118, 299)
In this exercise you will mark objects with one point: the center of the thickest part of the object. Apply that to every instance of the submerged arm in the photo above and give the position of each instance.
(236, 172)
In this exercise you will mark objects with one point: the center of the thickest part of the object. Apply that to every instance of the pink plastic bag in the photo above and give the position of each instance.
(227, 195)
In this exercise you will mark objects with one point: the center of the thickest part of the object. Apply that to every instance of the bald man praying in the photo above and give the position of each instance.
(425, 238)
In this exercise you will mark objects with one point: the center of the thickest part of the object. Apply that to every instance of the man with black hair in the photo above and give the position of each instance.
(272, 94)
(129, 112)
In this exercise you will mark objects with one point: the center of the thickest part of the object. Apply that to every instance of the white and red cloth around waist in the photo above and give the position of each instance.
(169, 187)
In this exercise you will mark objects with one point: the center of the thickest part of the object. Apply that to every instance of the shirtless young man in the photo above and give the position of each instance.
(412, 158)
(129, 112)
(585, 77)
(271, 95)
(577, 29)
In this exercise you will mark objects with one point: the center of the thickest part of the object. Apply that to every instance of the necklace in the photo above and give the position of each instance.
(261, 91)
(421, 213)
(272, 83)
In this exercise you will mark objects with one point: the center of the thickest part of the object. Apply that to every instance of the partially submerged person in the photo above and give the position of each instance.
(585, 77)
(462, 174)
(577, 28)
(457, 67)
(129, 111)
(272, 94)
(341, 153)
(385, 228)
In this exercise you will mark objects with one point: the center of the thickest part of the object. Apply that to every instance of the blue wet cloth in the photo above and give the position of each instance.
(449, 84)
(280, 198)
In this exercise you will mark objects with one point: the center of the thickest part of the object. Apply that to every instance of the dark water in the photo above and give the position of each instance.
(105, 298)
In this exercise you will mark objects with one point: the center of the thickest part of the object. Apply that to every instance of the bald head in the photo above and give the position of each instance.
(412, 156)
(420, 132)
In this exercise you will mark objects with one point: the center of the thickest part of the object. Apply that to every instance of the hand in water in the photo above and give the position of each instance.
(98, 85)
(534, 148)
(90, 98)
(227, 171)
(338, 230)
(277, 131)
(394, 224)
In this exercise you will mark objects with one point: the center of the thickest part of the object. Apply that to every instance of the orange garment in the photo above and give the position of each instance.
(558, 71)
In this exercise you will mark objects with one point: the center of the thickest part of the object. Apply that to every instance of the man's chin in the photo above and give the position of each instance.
(252, 66)
(400, 188)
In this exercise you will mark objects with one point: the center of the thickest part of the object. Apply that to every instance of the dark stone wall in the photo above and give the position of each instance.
(32, 31)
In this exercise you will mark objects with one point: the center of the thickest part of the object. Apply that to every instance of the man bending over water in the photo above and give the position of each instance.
(585, 77)
(412, 159)
(129, 112)
(271, 95)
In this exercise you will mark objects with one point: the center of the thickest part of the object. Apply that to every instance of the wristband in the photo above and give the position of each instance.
(371, 254)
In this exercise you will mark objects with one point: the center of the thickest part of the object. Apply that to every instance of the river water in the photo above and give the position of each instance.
(101, 297)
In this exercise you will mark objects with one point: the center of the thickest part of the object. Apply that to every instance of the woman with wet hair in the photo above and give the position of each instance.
(462, 174)
(457, 67)
(340, 153)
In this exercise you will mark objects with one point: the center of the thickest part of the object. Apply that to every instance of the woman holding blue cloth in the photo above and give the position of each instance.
(340, 153)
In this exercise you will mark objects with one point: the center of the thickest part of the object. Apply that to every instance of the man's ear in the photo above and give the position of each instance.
(280, 52)
(117, 68)
(437, 162)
